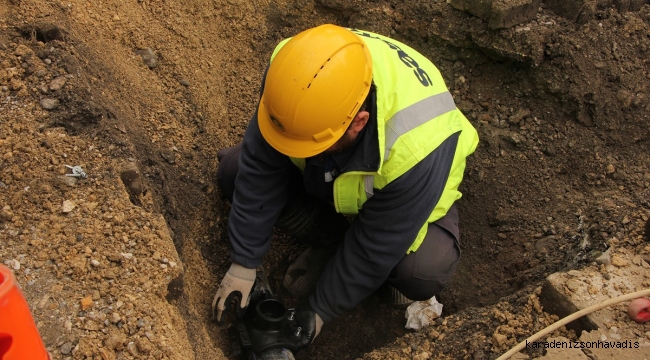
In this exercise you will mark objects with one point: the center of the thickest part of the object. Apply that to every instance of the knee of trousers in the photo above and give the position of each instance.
(419, 289)
(425, 272)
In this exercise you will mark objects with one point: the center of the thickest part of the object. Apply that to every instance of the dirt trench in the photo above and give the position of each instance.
(557, 175)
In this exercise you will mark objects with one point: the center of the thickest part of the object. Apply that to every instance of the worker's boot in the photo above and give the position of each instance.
(395, 298)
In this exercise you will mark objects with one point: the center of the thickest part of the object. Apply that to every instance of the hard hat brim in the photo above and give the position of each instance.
(290, 146)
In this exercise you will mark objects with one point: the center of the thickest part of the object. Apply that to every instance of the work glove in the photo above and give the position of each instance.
(309, 322)
(236, 285)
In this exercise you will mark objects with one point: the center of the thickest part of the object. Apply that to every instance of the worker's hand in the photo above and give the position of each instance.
(236, 285)
(309, 322)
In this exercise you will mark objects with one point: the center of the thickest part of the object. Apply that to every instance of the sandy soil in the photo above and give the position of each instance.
(142, 94)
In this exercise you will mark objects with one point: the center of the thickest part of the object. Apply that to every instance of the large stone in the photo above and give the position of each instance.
(479, 8)
(499, 14)
(508, 13)
(556, 300)
(582, 11)
(629, 5)
(579, 11)
(566, 293)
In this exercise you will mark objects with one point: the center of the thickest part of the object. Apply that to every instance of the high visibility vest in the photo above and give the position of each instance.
(415, 114)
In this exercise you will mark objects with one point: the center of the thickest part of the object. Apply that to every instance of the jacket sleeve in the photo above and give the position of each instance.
(260, 194)
(381, 234)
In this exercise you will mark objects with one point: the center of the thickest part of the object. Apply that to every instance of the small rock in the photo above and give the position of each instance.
(519, 115)
(573, 285)
(127, 256)
(115, 340)
(91, 325)
(604, 259)
(610, 169)
(69, 180)
(144, 345)
(23, 51)
(6, 214)
(422, 356)
(547, 242)
(619, 261)
(593, 290)
(115, 318)
(66, 348)
(14, 264)
(86, 303)
(132, 181)
(49, 104)
(184, 82)
(94, 263)
(499, 339)
(149, 57)
(57, 83)
(168, 155)
(68, 206)
(132, 349)
(16, 85)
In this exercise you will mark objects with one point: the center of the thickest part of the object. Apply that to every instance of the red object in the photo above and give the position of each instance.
(639, 310)
(19, 338)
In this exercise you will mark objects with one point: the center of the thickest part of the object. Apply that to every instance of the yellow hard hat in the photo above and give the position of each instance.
(314, 87)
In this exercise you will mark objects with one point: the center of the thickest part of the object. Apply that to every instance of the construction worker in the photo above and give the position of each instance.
(358, 149)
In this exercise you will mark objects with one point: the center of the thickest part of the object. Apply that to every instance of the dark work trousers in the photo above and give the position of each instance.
(418, 276)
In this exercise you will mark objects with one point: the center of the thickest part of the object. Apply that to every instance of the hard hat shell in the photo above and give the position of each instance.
(314, 87)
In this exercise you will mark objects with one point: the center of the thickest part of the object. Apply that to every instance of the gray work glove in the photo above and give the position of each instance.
(236, 284)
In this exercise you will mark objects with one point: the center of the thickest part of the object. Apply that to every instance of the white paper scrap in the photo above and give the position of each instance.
(422, 313)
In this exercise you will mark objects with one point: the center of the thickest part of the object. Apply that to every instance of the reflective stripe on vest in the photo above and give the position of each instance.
(408, 119)
(415, 115)
(368, 180)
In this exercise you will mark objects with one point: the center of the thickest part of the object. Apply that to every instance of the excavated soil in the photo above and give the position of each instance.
(142, 94)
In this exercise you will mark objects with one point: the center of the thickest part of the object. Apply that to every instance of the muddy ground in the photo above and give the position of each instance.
(142, 94)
